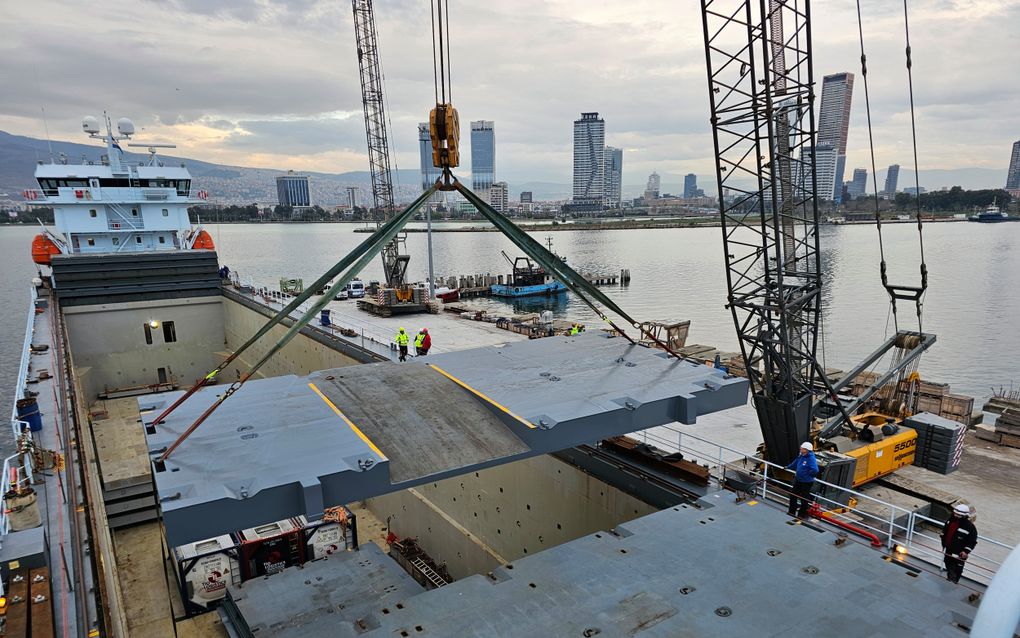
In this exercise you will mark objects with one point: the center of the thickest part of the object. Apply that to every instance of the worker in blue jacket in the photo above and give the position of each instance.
(806, 468)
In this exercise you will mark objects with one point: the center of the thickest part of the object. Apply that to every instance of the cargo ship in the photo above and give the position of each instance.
(507, 486)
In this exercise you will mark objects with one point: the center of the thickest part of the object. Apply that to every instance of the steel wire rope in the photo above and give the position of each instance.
(896, 292)
(435, 66)
(874, 171)
(917, 175)
(449, 59)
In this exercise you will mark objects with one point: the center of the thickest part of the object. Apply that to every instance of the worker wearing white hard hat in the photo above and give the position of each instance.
(805, 468)
(959, 536)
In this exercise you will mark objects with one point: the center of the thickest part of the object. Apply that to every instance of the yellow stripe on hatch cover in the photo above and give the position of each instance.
(480, 395)
(340, 414)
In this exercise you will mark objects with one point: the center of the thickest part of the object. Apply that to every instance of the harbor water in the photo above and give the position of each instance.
(972, 303)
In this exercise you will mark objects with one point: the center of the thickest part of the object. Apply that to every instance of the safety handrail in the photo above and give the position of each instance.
(26, 355)
(898, 526)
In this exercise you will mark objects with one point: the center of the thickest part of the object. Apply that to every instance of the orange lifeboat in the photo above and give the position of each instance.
(203, 242)
(43, 249)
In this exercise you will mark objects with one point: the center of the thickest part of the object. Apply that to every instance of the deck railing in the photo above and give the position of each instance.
(17, 425)
(900, 531)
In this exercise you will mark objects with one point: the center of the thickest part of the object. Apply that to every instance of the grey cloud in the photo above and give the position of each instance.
(275, 70)
(297, 136)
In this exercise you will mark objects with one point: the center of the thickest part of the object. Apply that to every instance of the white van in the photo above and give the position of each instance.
(356, 289)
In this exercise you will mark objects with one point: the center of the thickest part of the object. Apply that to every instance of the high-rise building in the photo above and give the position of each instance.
(891, 177)
(1013, 176)
(292, 190)
(833, 125)
(859, 185)
(690, 186)
(429, 173)
(613, 171)
(825, 170)
(483, 157)
(498, 196)
(653, 187)
(589, 160)
(527, 197)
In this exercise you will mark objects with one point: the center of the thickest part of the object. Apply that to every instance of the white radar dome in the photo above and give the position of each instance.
(90, 124)
(125, 126)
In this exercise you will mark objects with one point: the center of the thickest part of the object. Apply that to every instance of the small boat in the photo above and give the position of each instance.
(447, 294)
(992, 215)
(526, 280)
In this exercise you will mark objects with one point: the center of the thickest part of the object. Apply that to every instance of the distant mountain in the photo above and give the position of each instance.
(238, 184)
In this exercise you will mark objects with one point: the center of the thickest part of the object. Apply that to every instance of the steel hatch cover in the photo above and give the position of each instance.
(442, 425)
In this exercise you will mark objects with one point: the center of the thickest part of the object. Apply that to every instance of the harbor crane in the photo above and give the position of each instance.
(398, 295)
(762, 99)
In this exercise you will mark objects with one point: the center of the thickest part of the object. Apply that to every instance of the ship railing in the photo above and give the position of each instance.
(17, 425)
(26, 355)
(126, 220)
(900, 531)
(37, 194)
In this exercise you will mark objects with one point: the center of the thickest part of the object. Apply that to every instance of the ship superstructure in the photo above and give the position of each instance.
(116, 205)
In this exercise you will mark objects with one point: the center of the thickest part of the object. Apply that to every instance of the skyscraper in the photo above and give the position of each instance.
(292, 190)
(891, 177)
(859, 185)
(614, 176)
(483, 157)
(526, 197)
(589, 159)
(429, 173)
(690, 186)
(833, 125)
(1013, 176)
(653, 186)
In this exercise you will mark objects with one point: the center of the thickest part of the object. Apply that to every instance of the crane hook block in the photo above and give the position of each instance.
(444, 128)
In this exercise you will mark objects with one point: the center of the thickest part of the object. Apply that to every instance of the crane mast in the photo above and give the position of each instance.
(372, 99)
(761, 96)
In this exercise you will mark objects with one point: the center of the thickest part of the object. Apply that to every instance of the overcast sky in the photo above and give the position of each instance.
(275, 84)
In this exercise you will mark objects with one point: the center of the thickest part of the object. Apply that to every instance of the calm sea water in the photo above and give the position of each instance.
(973, 303)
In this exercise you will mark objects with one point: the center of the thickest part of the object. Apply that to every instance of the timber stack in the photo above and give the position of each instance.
(1007, 424)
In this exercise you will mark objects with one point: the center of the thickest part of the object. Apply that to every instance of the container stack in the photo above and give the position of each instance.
(939, 442)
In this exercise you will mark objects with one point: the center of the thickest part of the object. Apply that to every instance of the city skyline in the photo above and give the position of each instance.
(225, 92)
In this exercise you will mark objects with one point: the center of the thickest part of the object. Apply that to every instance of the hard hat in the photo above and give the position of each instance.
(962, 509)
(400, 330)
(806, 445)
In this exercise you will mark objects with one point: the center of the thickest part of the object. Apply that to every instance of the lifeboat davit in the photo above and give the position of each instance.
(43, 249)
(203, 242)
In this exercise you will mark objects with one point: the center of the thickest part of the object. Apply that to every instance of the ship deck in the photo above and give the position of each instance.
(720, 569)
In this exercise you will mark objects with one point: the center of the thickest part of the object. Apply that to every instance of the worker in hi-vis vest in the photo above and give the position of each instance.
(422, 342)
(402, 339)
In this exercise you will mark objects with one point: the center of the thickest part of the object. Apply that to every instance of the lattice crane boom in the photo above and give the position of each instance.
(373, 101)
(761, 95)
